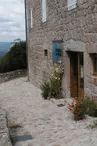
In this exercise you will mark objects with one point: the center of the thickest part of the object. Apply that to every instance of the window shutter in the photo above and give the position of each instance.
(43, 10)
(54, 52)
(31, 18)
(27, 14)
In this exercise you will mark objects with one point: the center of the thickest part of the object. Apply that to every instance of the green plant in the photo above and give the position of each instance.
(56, 81)
(15, 58)
(83, 107)
(52, 89)
(91, 106)
(55, 86)
(45, 87)
(92, 126)
(78, 110)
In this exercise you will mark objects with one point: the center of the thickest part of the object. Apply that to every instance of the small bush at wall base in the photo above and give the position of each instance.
(78, 111)
(83, 107)
(56, 81)
(91, 105)
(45, 87)
(52, 89)
(55, 86)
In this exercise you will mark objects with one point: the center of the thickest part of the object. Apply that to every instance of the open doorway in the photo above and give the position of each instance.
(76, 74)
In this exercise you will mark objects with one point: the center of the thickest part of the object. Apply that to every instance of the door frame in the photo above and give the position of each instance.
(79, 90)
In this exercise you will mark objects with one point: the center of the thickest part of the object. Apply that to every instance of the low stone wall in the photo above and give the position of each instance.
(12, 75)
(4, 132)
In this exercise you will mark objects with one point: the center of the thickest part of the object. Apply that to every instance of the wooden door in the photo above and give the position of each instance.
(80, 75)
(76, 74)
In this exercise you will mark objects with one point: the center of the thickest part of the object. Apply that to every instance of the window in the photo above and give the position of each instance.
(95, 64)
(43, 11)
(27, 15)
(94, 61)
(29, 18)
(71, 4)
(57, 51)
(45, 52)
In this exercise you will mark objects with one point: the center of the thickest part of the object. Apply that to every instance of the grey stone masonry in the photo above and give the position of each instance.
(4, 133)
(12, 75)
(76, 25)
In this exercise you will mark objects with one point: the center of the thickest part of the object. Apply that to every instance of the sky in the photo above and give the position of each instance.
(12, 20)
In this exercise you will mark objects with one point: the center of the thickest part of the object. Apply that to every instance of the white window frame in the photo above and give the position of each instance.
(31, 18)
(27, 15)
(71, 4)
(44, 11)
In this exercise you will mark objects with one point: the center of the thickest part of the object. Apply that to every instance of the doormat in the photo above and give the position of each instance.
(21, 138)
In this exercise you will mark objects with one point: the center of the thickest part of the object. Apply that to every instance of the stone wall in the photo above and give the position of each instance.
(79, 25)
(12, 75)
(4, 132)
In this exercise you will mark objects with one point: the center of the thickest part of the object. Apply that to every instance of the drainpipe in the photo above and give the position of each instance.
(26, 39)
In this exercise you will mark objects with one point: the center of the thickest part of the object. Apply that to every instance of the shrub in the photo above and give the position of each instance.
(91, 106)
(80, 108)
(56, 81)
(15, 58)
(53, 87)
(78, 111)
(45, 87)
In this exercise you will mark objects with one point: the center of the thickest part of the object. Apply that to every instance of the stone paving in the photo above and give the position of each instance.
(4, 132)
(48, 124)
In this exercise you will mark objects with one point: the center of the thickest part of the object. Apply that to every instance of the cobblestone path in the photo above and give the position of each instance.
(48, 124)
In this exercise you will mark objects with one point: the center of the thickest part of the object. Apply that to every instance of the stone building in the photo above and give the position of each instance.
(70, 27)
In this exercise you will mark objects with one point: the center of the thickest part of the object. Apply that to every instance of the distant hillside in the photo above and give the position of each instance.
(15, 58)
(4, 46)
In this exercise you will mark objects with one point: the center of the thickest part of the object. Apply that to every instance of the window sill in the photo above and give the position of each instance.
(93, 76)
(93, 79)
(44, 23)
(74, 6)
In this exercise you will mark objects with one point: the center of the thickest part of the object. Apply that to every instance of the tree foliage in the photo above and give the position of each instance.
(15, 58)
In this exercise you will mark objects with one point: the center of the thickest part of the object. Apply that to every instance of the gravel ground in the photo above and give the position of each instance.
(48, 124)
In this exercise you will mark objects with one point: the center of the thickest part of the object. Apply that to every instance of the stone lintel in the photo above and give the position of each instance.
(75, 46)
